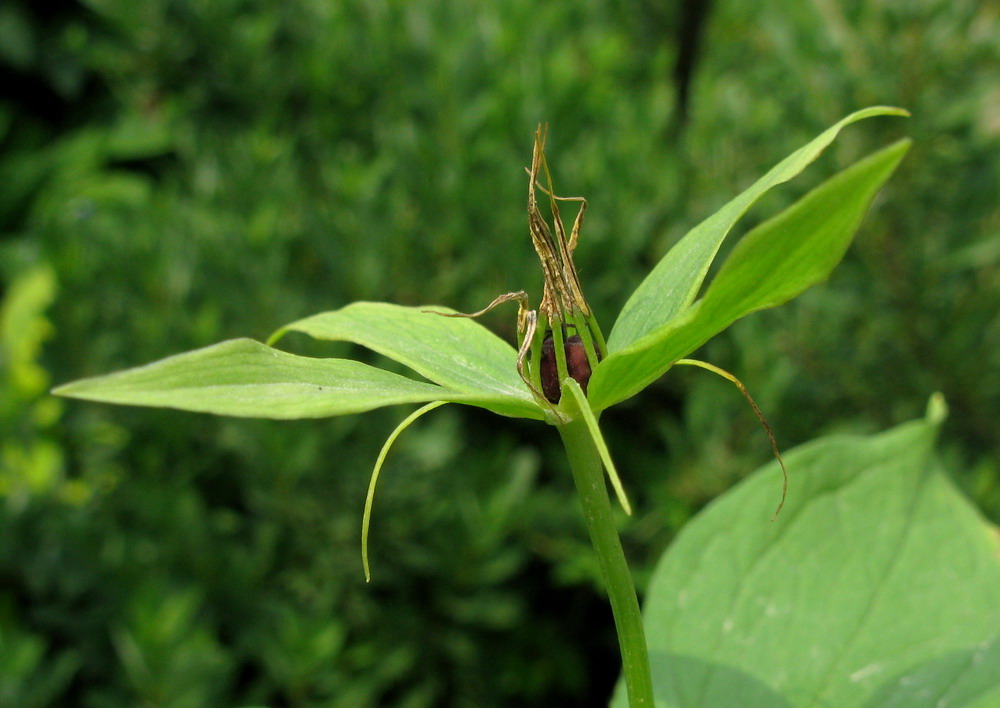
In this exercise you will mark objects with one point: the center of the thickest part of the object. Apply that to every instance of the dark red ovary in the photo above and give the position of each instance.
(576, 364)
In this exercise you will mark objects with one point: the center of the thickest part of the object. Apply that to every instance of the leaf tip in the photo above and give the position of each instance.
(71, 389)
(937, 408)
(895, 111)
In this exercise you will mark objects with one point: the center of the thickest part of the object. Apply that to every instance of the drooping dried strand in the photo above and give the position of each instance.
(526, 324)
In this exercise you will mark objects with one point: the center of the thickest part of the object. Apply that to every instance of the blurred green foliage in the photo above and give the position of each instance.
(178, 172)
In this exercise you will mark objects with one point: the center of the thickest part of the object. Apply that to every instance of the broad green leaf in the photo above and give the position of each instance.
(878, 585)
(673, 284)
(966, 678)
(242, 377)
(773, 263)
(452, 351)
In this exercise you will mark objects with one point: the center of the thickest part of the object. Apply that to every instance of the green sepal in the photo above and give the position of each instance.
(773, 263)
(455, 352)
(674, 283)
(242, 377)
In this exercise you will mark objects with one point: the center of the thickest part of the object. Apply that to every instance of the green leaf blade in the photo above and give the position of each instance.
(454, 352)
(773, 263)
(242, 377)
(674, 283)
(877, 580)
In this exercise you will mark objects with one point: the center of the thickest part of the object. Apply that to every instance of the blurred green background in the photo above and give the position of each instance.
(177, 172)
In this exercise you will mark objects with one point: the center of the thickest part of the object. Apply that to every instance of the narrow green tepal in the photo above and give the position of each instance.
(773, 263)
(242, 377)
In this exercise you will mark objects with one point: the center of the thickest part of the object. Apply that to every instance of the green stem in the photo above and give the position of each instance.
(588, 475)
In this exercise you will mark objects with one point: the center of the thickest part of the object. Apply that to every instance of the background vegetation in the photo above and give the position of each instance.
(177, 172)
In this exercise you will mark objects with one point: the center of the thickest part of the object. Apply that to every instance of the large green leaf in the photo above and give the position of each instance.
(455, 352)
(242, 377)
(673, 284)
(772, 264)
(878, 585)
